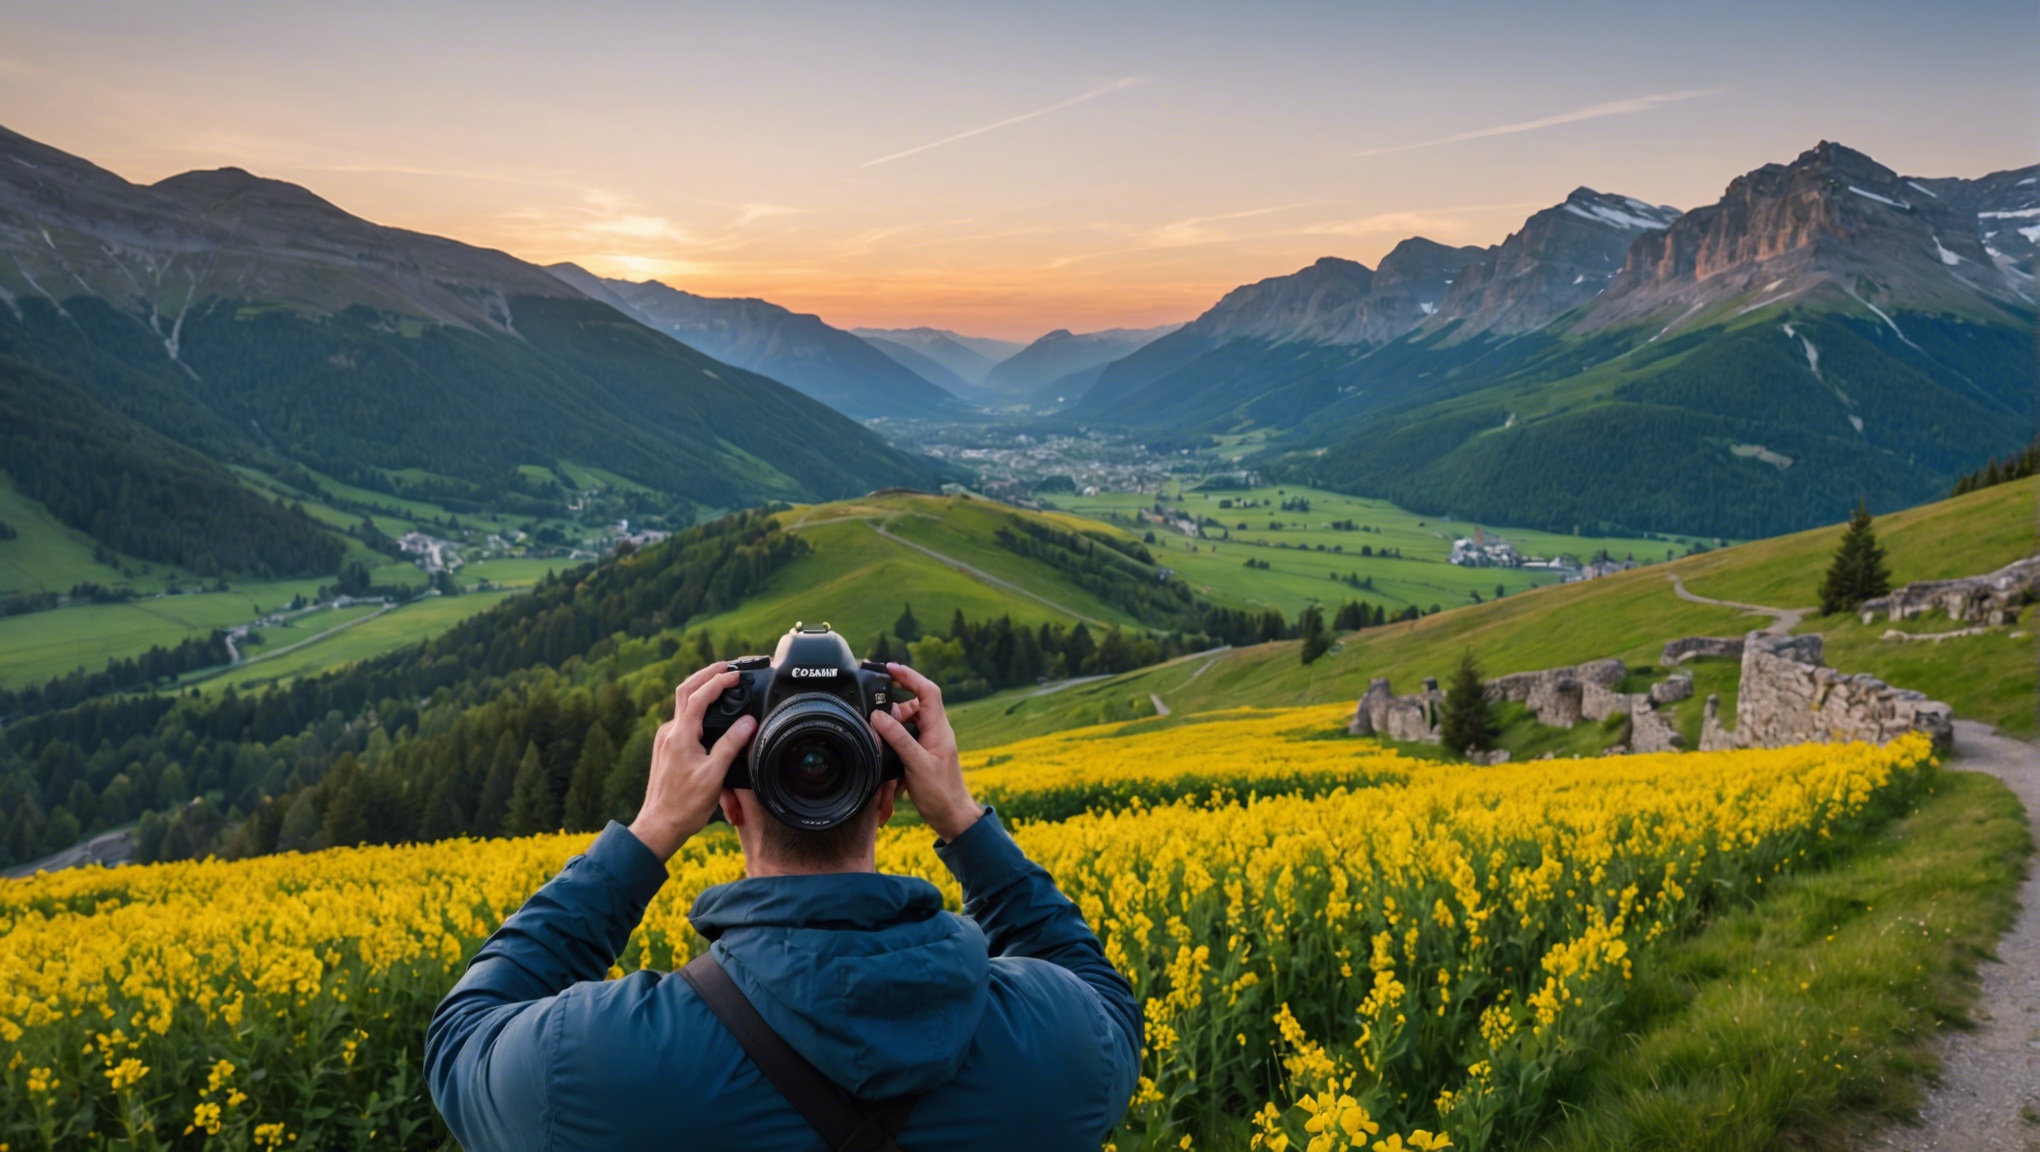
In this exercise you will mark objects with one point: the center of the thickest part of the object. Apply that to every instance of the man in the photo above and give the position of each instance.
(1008, 1019)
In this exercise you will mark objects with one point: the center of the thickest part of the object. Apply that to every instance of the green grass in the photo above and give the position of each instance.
(276, 637)
(858, 580)
(47, 556)
(41, 645)
(1299, 575)
(510, 572)
(1628, 615)
(411, 624)
(1789, 1023)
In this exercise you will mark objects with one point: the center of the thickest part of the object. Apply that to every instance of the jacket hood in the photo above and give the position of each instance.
(863, 974)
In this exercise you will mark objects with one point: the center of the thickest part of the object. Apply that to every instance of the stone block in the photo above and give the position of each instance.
(1556, 703)
(1688, 647)
(1671, 690)
(1651, 730)
(1598, 701)
(1713, 737)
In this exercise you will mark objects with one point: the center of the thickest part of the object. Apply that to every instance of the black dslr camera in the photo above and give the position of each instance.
(814, 762)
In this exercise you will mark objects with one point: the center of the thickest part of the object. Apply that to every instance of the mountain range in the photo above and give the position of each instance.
(795, 348)
(1829, 330)
(1064, 363)
(219, 319)
(968, 358)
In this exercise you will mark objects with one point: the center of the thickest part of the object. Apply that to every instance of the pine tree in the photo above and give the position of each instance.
(1316, 641)
(493, 805)
(1858, 572)
(906, 627)
(1467, 722)
(583, 807)
(529, 801)
(624, 790)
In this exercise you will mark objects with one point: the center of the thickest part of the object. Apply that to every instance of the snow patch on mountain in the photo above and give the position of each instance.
(1869, 195)
(1947, 257)
(1602, 213)
(1924, 188)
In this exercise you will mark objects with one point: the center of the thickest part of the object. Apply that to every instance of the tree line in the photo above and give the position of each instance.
(2017, 466)
(135, 754)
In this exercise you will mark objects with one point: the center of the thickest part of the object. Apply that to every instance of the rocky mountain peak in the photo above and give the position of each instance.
(1312, 303)
(1833, 222)
(1562, 257)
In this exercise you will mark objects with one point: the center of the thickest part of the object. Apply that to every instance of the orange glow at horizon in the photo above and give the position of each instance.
(998, 169)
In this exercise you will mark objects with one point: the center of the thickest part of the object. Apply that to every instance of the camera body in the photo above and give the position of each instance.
(814, 761)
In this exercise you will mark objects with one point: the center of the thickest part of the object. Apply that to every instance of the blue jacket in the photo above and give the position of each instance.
(1009, 1017)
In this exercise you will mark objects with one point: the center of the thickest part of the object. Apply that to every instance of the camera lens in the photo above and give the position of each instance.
(815, 762)
(815, 771)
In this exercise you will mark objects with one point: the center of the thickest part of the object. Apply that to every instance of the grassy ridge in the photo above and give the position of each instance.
(1629, 615)
(858, 580)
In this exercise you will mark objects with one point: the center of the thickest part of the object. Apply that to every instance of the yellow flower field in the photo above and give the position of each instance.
(1380, 952)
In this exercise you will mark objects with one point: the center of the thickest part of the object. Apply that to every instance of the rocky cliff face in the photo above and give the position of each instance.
(1563, 257)
(1832, 222)
(1316, 303)
(1410, 285)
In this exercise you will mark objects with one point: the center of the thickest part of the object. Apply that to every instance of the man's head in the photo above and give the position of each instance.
(774, 848)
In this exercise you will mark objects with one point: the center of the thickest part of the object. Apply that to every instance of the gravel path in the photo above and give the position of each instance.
(1783, 620)
(1990, 1077)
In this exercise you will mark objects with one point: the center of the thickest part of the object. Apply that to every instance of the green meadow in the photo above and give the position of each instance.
(1629, 615)
(1307, 558)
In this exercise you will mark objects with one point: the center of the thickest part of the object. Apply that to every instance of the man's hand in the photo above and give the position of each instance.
(934, 773)
(687, 778)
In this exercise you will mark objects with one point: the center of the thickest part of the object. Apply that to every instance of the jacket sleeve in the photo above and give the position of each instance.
(1022, 913)
(489, 1047)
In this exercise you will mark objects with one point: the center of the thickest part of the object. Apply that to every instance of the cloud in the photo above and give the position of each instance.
(751, 213)
(1415, 222)
(1102, 90)
(1648, 103)
(1198, 230)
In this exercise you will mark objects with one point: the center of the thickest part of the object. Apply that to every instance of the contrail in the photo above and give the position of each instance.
(1093, 94)
(1594, 112)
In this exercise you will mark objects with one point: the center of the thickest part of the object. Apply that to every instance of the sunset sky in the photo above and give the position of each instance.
(1005, 169)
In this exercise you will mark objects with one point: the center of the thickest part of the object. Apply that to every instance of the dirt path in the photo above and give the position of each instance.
(1990, 1077)
(1161, 709)
(982, 576)
(1783, 620)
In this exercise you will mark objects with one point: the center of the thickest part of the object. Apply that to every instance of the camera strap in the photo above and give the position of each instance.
(845, 1122)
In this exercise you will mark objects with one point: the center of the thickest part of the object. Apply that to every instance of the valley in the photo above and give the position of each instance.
(332, 550)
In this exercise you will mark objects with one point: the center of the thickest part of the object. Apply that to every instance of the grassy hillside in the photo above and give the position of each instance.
(1629, 615)
(858, 580)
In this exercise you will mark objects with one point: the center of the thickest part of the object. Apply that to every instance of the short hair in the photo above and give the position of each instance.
(814, 848)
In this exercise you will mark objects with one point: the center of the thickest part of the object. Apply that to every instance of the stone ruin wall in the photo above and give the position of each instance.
(1686, 648)
(1558, 697)
(1789, 696)
(1990, 600)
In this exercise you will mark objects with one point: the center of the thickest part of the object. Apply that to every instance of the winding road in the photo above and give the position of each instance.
(1990, 1076)
(1783, 620)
